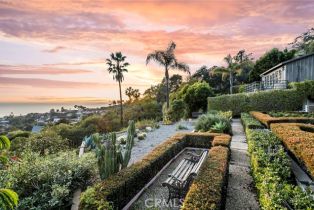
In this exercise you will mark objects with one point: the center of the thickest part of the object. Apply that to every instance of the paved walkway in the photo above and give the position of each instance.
(240, 194)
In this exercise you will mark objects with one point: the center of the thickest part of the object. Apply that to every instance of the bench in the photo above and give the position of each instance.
(179, 181)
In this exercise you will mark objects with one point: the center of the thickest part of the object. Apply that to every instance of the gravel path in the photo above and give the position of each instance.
(143, 147)
(240, 194)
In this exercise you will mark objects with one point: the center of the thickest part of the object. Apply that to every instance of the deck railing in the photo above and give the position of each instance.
(267, 85)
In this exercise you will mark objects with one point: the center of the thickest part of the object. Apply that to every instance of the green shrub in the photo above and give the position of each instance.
(177, 110)
(206, 122)
(196, 96)
(49, 182)
(306, 87)
(275, 100)
(19, 133)
(250, 122)
(142, 124)
(46, 142)
(181, 127)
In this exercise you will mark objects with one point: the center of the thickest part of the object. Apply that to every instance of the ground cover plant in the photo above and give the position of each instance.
(272, 173)
(119, 189)
(298, 141)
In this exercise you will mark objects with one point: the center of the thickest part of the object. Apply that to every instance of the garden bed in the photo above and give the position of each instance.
(272, 173)
(119, 189)
(267, 120)
(299, 142)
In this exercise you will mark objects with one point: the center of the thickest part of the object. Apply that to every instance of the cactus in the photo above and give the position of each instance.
(110, 156)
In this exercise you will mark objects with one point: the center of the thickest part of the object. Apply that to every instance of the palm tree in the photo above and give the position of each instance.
(168, 60)
(231, 70)
(117, 66)
(8, 198)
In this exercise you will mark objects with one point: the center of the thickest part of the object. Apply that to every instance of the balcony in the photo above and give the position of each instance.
(267, 85)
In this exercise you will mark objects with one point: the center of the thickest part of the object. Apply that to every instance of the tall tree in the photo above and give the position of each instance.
(136, 94)
(168, 60)
(129, 92)
(231, 69)
(304, 43)
(117, 66)
(268, 60)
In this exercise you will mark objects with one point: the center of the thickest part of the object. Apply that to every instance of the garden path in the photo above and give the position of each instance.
(241, 194)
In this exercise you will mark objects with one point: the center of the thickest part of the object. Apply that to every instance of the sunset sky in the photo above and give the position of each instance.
(54, 51)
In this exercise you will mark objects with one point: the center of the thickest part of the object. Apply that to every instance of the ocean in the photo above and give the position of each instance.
(25, 108)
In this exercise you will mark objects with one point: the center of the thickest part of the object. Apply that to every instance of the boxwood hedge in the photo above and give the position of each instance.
(272, 173)
(273, 100)
(116, 191)
(209, 188)
(267, 120)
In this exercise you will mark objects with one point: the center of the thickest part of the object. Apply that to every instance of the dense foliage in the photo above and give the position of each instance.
(271, 172)
(48, 182)
(208, 188)
(196, 96)
(265, 101)
(45, 142)
(269, 60)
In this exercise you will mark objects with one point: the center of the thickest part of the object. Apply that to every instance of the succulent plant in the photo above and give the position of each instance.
(111, 157)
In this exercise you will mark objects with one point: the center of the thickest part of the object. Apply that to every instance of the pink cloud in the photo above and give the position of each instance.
(27, 69)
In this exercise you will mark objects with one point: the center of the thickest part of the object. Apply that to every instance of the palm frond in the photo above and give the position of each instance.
(4, 142)
(182, 66)
(171, 47)
(157, 56)
(8, 199)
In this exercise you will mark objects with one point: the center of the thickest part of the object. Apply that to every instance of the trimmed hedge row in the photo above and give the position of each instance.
(267, 120)
(272, 173)
(222, 140)
(299, 142)
(116, 191)
(208, 188)
(265, 101)
(249, 122)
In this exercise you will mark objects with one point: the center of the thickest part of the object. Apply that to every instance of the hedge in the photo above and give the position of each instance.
(298, 141)
(116, 191)
(209, 188)
(222, 140)
(265, 101)
(249, 122)
(272, 173)
(267, 120)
